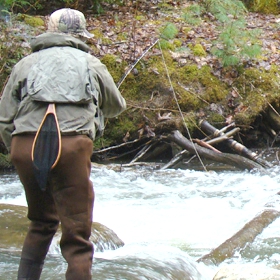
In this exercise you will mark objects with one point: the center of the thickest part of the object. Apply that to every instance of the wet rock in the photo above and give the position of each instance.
(14, 225)
(247, 272)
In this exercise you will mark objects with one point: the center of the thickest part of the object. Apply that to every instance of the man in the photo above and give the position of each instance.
(61, 71)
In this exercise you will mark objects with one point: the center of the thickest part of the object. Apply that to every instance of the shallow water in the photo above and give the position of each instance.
(167, 220)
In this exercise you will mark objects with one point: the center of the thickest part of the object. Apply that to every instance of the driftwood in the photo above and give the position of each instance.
(233, 144)
(223, 136)
(155, 146)
(143, 151)
(176, 159)
(114, 149)
(229, 159)
(239, 240)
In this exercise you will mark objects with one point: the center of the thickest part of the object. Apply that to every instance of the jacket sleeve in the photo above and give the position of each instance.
(8, 109)
(110, 100)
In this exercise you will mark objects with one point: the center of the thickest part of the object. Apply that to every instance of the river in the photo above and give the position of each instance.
(167, 220)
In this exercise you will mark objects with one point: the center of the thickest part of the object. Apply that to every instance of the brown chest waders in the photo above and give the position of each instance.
(46, 148)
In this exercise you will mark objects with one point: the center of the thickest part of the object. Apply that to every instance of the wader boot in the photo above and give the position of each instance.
(29, 270)
(35, 249)
(74, 197)
(41, 212)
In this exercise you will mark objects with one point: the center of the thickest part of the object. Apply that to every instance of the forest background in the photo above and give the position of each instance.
(175, 62)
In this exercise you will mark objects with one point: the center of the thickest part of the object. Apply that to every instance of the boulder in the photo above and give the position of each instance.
(14, 225)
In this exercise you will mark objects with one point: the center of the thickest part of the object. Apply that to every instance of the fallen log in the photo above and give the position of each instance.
(233, 144)
(229, 159)
(239, 240)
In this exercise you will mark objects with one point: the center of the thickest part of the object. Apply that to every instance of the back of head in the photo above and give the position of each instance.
(68, 21)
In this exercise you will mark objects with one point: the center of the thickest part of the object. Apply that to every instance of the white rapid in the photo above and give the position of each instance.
(167, 220)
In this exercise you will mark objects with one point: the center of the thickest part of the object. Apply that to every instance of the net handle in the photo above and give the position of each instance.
(50, 110)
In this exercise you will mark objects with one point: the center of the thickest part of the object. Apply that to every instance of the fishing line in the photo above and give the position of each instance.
(180, 111)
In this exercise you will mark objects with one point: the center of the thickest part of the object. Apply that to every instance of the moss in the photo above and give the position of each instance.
(263, 6)
(257, 88)
(202, 87)
(198, 50)
(177, 43)
(148, 79)
(115, 66)
(122, 36)
(190, 120)
(244, 119)
(117, 128)
(215, 118)
(167, 45)
(140, 17)
(33, 21)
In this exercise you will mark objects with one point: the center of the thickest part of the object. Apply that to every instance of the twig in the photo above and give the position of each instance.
(116, 147)
(273, 109)
(143, 151)
(205, 145)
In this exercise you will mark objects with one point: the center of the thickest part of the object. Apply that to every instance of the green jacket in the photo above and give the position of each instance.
(60, 70)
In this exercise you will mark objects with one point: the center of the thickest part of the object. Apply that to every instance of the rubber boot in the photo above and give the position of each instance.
(29, 270)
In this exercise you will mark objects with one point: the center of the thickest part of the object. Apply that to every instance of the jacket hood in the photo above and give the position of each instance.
(48, 40)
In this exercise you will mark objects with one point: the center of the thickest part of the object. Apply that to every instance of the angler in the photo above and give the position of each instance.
(51, 110)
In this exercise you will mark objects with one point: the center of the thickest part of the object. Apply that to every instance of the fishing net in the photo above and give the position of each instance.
(46, 149)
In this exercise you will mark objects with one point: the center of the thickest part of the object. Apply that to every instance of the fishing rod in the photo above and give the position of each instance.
(135, 63)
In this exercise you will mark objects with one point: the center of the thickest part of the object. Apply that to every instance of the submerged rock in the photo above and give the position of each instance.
(14, 224)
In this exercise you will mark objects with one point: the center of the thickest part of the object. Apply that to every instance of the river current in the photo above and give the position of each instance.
(167, 219)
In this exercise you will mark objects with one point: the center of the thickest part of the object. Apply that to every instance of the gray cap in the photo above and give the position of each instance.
(68, 21)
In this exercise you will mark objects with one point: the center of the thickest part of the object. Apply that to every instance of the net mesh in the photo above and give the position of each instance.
(46, 150)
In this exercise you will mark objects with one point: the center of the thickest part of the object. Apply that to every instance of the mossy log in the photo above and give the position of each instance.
(229, 159)
(239, 240)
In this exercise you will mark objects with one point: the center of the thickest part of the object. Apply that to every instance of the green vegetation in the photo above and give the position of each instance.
(22, 5)
(202, 83)
(30, 6)
(192, 14)
(168, 32)
(263, 6)
(257, 88)
(235, 42)
(115, 66)
(31, 20)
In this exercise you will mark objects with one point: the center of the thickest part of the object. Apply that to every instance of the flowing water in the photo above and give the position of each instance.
(167, 220)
